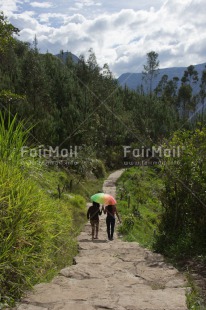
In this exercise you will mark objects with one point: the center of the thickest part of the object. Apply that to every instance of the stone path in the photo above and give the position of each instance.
(111, 275)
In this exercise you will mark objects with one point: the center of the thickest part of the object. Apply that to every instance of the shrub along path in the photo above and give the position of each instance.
(111, 275)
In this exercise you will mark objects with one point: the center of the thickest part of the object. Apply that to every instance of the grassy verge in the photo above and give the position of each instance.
(88, 187)
(38, 229)
(193, 296)
(70, 181)
(39, 218)
(138, 192)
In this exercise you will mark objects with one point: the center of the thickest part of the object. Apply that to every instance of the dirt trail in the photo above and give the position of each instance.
(111, 275)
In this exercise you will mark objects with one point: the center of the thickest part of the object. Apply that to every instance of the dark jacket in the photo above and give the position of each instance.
(93, 213)
(111, 211)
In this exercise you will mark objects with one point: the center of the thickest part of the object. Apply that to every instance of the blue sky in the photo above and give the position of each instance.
(120, 32)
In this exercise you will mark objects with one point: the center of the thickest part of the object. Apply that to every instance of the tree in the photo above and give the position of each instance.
(190, 76)
(203, 93)
(159, 90)
(92, 62)
(106, 72)
(151, 69)
(167, 89)
(185, 95)
(35, 44)
(7, 31)
(185, 101)
(170, 91)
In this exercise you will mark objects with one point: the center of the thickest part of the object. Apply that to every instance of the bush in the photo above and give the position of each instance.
(127, 224)
(98, 169)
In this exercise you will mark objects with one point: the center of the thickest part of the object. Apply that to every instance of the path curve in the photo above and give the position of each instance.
(113, 275)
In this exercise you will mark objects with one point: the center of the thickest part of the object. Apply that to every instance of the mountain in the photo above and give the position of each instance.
(134, 80)
(64, 56)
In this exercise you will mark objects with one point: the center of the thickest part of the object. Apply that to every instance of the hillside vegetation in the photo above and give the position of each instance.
(139, 191)
(163, 206)
(81, 104)
(38, 229)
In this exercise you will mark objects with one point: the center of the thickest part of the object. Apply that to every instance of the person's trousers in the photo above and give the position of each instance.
(110, 221)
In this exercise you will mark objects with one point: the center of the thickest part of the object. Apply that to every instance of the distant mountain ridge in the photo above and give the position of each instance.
(134, 80)
(63, 56)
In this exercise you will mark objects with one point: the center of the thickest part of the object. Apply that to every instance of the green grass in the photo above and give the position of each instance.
(88, 187)
(140, 207)
(193, 296)
(70, 182)
(38, 228)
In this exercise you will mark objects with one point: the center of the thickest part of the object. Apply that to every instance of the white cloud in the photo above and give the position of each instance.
(81, 3)
(9, 6)
(76, 18)
(24, 21)
(175, 29)
(46, 17)
(43, 5)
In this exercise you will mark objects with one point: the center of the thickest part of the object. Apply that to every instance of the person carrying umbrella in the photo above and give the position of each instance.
(111, 211)
(93, 215)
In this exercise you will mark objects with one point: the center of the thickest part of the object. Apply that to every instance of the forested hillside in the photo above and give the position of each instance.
(81, 104)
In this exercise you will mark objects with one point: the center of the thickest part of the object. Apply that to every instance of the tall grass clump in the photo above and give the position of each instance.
(13, 137)
(37, 230)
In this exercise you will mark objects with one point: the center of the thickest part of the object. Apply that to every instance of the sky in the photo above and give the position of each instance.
(120, 33)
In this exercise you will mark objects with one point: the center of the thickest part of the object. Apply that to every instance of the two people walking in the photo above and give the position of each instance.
(93, 215)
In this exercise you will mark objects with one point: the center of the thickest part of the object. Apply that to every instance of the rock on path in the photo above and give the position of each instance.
(111, 275)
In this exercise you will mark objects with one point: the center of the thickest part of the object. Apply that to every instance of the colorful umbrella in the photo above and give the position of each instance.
(104, 199)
